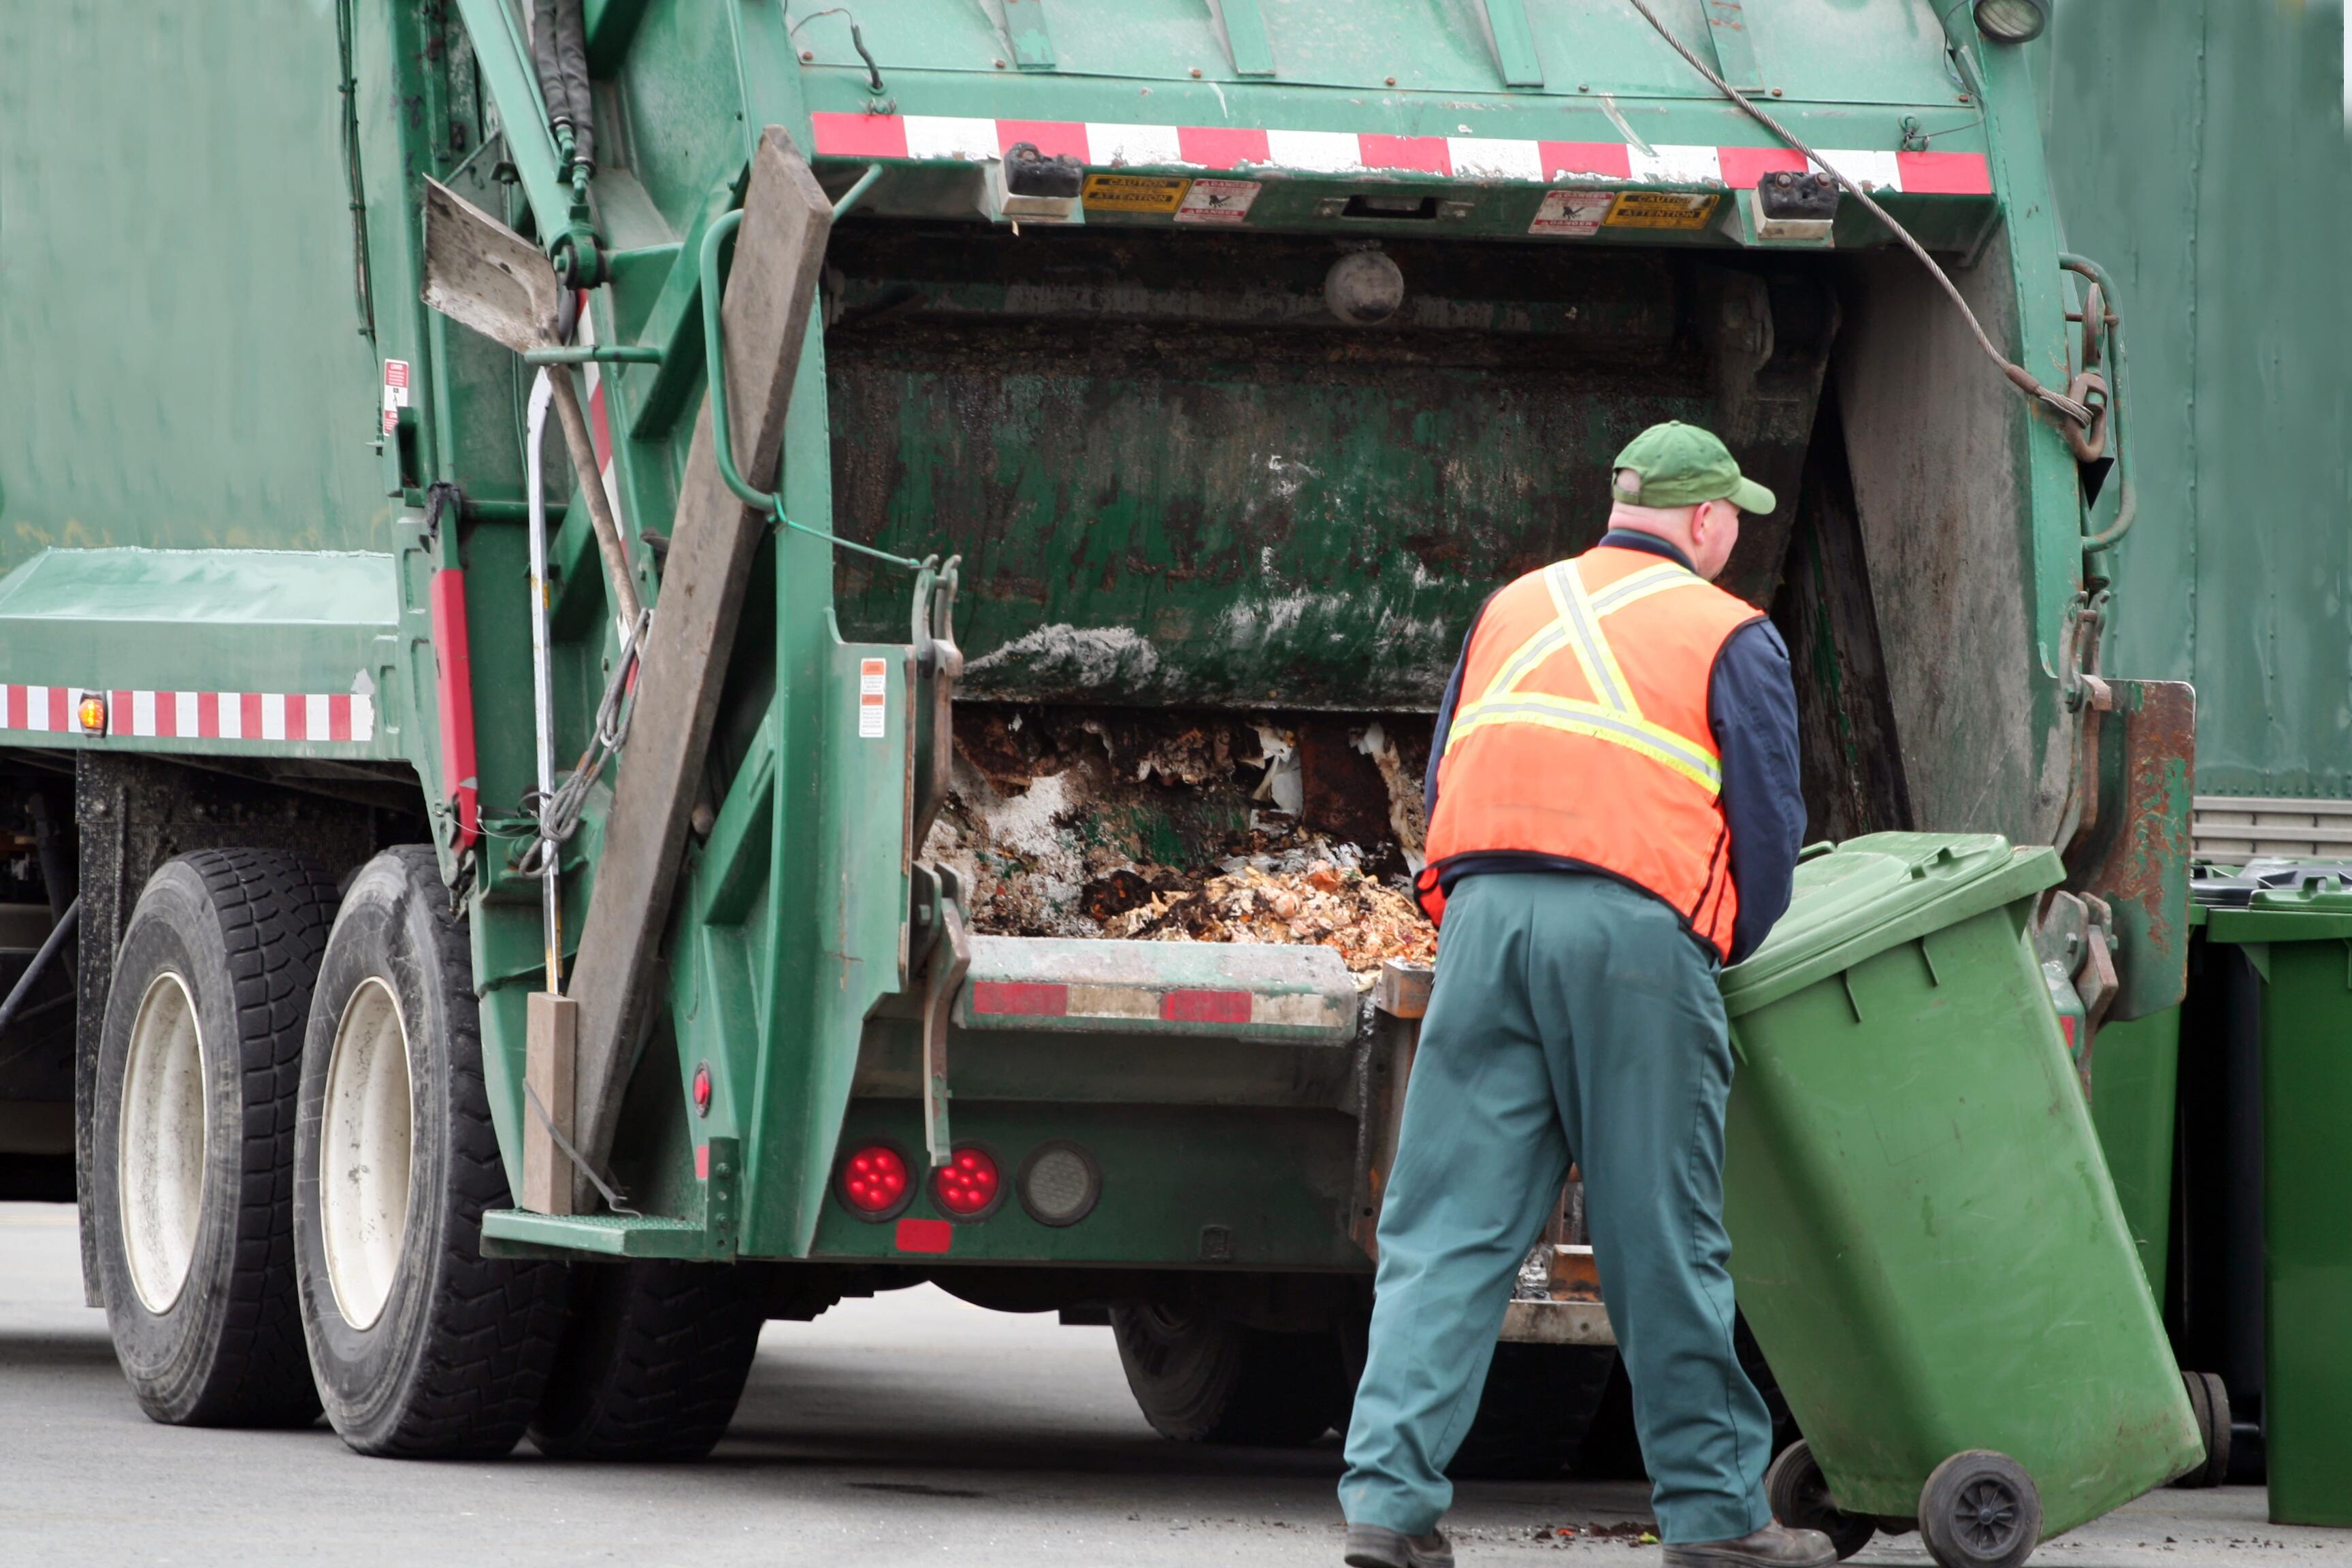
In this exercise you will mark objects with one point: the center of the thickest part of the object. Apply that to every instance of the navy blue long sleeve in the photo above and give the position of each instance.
(1752, 712)
(1751, 706)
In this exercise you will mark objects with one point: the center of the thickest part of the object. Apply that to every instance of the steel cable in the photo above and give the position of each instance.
(2018, 376)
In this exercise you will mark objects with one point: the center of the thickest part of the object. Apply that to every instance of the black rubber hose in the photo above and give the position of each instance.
(559, 52)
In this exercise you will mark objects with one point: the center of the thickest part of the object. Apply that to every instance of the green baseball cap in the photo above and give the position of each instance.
(1682, 465)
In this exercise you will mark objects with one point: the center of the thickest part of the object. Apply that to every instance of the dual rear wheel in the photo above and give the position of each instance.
(293, 1152)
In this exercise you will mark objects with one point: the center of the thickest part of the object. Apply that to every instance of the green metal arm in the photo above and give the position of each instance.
(505, 65)
(599, 353)
(722, 430)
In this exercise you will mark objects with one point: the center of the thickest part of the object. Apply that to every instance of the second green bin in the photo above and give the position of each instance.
(1925, 1236)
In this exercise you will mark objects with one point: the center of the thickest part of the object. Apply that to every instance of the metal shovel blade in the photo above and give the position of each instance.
(479, 272)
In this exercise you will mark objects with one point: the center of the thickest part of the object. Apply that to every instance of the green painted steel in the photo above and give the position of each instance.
(1174, 478)
(2300, 942)
(1925, 1237)
(2199, 149)
(2134, 1084)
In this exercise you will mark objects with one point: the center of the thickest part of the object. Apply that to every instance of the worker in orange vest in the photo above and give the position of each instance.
(1614, 814)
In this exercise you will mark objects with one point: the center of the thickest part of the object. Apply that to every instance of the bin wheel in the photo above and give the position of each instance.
(1979, 1509)
(2209, 1398)
(1799, 1495)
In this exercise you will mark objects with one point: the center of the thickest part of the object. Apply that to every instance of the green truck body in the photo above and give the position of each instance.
(1176, 480)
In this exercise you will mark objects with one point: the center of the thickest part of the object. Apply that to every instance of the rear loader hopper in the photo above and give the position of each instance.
(941, 808)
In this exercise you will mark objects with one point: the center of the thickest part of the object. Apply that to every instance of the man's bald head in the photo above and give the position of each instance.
(1704, 532)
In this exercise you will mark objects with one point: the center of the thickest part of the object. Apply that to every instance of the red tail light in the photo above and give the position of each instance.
(968, 1186)
(874, 1181)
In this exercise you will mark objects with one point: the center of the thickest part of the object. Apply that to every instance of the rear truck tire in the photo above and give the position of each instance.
(422, 1347)
(2209, 1398)
(1539, 1403)
(1799, 1495)
(191, 1169)
(1979, 1509)
(1203, 1379)
(652, 1363)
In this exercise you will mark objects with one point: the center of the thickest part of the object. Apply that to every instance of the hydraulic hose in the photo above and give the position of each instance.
(2018, 376)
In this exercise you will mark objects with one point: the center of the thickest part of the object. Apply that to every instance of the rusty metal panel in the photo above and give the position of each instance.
(2132, 849)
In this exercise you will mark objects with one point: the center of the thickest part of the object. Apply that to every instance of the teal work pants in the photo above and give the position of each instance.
(1571, 1019)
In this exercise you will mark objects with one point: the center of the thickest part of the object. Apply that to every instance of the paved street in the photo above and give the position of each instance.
(908, 1429)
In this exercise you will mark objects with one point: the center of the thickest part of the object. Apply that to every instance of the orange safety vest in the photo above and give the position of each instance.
(1582, 731)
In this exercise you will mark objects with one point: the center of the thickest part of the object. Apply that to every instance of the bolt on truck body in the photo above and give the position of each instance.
(1059, 402)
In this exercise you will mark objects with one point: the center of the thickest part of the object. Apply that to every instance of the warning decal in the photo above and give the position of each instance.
(1134, 193)
(1660, 209)
(395, 392)
(1217, 201)
(1573, 212)
(873, 697)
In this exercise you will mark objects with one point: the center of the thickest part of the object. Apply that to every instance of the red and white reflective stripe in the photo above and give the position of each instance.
(600, 424)
(1190, 1004)
(196, 715)
(932, 138)
(41, 709)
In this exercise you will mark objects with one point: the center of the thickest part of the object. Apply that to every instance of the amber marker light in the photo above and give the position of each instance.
(91, 713)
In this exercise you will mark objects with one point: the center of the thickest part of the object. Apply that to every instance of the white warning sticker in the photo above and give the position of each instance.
(873, 697)
(1217, 201)
(1577, 212)
(395, 392)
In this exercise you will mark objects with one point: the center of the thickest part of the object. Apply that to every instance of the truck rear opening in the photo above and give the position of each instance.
(1220, 544)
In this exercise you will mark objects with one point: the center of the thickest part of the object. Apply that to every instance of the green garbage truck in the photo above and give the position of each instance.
(664, 660)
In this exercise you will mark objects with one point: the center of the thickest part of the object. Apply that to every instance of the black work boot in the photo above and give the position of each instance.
(1370, 1546)
(1774, 1546)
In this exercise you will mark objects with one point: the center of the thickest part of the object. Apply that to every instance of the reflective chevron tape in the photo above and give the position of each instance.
(930, 137)
(1002, 999)
(194, 715)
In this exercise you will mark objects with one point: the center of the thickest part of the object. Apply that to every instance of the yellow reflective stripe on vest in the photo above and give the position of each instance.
(1650, 580)
(1656, 741)
(1626, 591)
(1593, 654)
(1616, 718)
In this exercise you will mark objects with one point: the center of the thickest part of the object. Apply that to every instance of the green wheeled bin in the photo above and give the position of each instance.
(2299, 941)
(1925, 1236)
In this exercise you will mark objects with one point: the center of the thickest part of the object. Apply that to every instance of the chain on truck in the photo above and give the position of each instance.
(829, 694)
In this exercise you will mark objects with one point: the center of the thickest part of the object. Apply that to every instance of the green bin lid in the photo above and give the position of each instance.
(1868, 894)
(2319, 908)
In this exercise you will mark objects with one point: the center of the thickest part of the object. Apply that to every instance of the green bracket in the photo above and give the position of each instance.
(1033, 41)
(520, 1233)
(1735, 51)
(1515, 43)
(1244, 26)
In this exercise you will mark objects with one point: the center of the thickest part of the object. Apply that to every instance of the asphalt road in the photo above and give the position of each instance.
(907, 1429)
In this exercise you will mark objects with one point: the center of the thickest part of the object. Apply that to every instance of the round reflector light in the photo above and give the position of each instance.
(1059, 1183)
(874, 1181)
(2013, 21)
(968, 1185)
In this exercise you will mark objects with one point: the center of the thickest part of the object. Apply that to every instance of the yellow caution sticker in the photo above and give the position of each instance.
(1134, 193)
(1660, 209)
